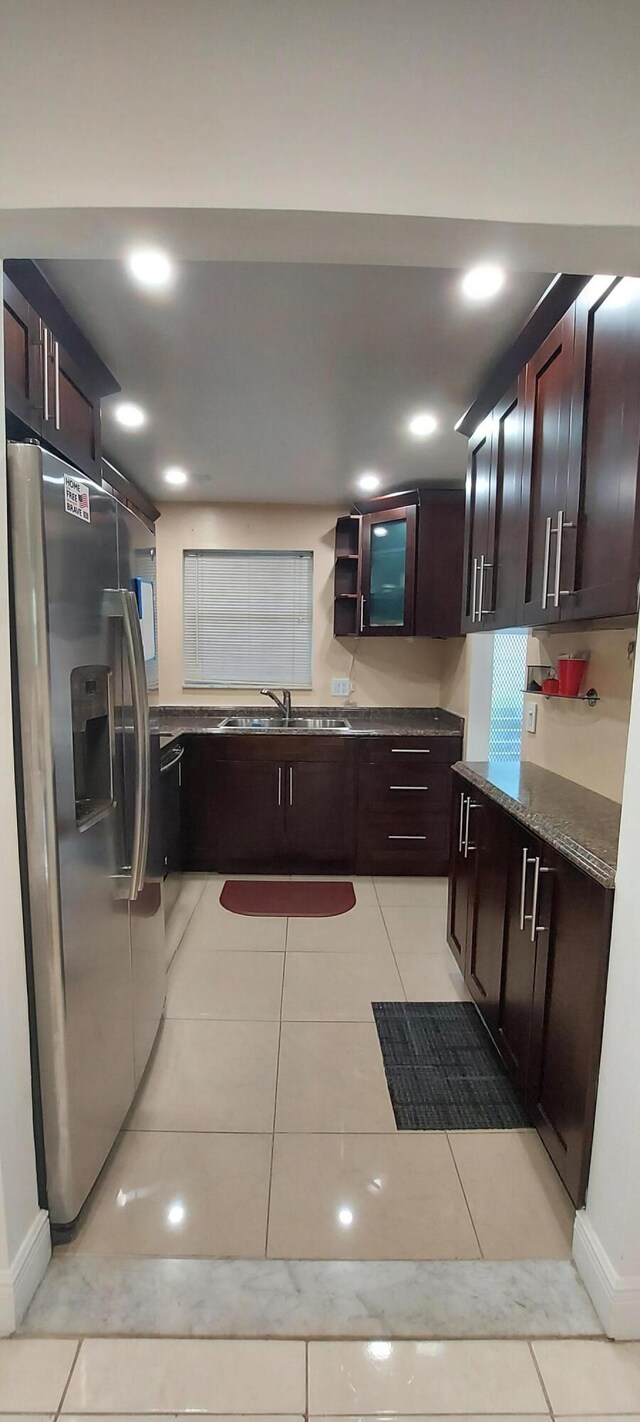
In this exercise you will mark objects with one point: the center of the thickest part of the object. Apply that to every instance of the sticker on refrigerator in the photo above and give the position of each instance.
(76, 498)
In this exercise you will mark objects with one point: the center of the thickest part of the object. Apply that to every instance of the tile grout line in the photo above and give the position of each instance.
(389, 939)
(540, 1377)
(464, 1194)
(275, 1098)
(68, 1382)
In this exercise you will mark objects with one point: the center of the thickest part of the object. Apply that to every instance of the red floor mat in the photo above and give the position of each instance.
(268, 899)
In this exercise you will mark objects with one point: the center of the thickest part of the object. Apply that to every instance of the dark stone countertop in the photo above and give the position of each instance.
(577, 822)
(173, 721)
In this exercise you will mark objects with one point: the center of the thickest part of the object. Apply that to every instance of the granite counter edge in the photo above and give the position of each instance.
(546, 829)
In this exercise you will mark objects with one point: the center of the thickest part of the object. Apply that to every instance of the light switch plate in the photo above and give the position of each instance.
(531, 718)
(340, 686)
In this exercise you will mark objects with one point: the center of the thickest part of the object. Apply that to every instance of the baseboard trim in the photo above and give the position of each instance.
(616, 1299)
(19, 1283)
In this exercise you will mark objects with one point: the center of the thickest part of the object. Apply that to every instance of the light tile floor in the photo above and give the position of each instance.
(285, 1380)
(264, 1126)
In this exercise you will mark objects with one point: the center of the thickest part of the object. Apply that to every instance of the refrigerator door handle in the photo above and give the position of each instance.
(120, 602)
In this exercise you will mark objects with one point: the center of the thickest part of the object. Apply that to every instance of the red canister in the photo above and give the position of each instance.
(570, 673)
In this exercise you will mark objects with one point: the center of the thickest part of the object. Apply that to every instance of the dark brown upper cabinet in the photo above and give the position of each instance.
(398, 568)
(388, 584)
(477, 520)
(598, 547)
(553, 491)
(23, 362)
(493, 510)
(547, 428)
(54, 380)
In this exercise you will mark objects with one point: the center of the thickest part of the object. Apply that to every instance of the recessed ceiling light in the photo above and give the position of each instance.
(422, 424)
(175, 475)
(369, 481)
(130, 415)
(150, 267)
(483, 282)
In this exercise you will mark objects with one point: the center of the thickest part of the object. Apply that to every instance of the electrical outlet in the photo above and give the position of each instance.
(531, 718)
(340, 686)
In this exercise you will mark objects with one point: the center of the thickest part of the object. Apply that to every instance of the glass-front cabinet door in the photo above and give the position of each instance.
(388, 573)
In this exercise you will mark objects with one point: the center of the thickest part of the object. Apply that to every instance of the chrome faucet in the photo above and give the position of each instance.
(284, 704)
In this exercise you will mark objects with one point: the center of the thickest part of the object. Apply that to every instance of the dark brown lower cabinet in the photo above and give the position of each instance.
(488, 847)
(404, 800)
(268, 805)
(531, 932)
(462, 873)
(573, 933)
(515, 1011)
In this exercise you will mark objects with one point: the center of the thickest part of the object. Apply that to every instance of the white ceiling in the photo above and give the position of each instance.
(279, 382)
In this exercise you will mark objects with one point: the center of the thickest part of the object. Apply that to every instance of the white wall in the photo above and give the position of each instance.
(24, 1235)
(502, 109)
(607, 1235)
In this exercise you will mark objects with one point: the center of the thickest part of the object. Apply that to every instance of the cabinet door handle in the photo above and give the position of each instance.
(526, 860)
(471, 805)
(279, 785)
(291, 785)
(562, 524)
(474, 591)
(547, 560)
(461, 825)
(45, 371)
(482, 610)
(480, 587)
(408, 750)
(406, 836)
(56, 388)
(535, 926)
(408, 787)
(362, 612)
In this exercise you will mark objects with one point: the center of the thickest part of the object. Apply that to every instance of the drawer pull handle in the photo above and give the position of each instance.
(408, 787)
(406, 836)
(409, 750)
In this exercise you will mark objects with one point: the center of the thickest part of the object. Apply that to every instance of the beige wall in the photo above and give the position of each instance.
(384, 672)
(583, 743)
(454, 683)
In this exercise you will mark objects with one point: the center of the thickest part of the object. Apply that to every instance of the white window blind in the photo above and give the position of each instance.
(247, 618)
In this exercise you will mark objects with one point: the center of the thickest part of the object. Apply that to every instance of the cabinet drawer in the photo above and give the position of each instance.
(415, 790)
(393, 845)
(279, 747)
(410, 751)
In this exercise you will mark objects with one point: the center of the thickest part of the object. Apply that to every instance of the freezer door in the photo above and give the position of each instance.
(64, 556)
(136, 551)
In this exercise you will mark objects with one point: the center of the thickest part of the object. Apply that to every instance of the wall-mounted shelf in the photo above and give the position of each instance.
(537, 676)
(346, 591)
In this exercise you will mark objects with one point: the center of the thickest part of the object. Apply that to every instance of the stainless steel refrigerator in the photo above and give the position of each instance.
(90, 790)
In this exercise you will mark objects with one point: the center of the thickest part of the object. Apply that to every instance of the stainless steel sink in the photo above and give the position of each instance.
(319, 723)
(276, 723)
(251, 723)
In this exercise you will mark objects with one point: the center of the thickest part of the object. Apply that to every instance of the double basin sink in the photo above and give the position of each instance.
(276, 723)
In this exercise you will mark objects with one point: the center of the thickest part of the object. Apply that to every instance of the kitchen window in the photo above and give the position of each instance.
(247, 618)
(507, 699)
